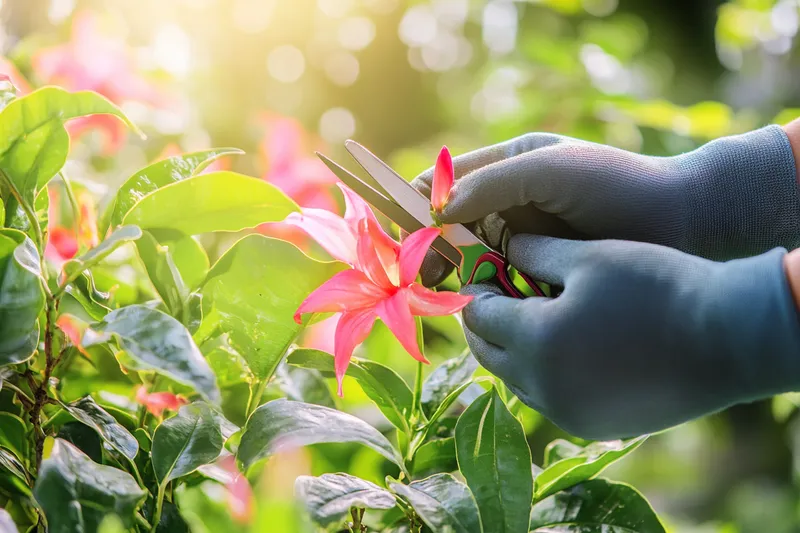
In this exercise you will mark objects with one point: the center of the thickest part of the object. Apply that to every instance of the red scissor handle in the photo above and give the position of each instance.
(501, 267)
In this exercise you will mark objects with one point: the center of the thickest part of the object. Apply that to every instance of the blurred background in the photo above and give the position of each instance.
(280, 78)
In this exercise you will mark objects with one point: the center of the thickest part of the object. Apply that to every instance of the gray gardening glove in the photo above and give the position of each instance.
(733, 197)
(643, 337)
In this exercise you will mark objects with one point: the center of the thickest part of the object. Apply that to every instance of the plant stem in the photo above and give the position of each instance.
(29, 212)
(40, 396)
(416, 406)
(73, 202)
(255, 397)
(162, 487)
(142, 521)
(26, 400)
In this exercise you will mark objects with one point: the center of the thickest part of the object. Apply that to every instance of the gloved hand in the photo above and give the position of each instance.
(643, 337)
(734, 197)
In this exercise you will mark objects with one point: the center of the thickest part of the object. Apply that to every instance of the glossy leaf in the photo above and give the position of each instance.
(446, 378)
(76, 493)
(599, 506)
(34, 144)
(282, 425)
(574, 464)
(185, 442)
(255, 288)
(157, 341)
(84, 438)
(494, 458)
(14, 434)
(438, 455)
(218, 201)
(304, 385)
(157, 175)
(443, 503)
(121, 236)
(21, 297)
(328, 498)
(13, 474)
(382, 384)
(88, 412)
(164, 274)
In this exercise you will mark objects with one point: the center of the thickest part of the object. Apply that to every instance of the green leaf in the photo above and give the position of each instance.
(157, 175)
(281, 424)
(21, 297)
(82, 437)
(218, 201)
(14, 434)
(76, 493)
(185, 442)
(329, 497)
(122, 235)
(157, 341)
(88, 412)
(164, 273)
(255, 288)
(438, 455)
(494, 458)
(34, 144)
(568, 465)
(443, 503)
(7, 525)
(598, 506)
(19, 480)
(304, 385)
(446, 378)
(381, 384)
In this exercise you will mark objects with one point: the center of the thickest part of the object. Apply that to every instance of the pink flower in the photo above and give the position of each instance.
(73, 329)
(443, 178)
(381, 283)
(97, 61)
(157, 402)
(64, 243)
(240, 495)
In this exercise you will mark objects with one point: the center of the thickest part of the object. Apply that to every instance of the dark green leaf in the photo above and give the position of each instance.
(383, 386)
(7, 525)
(281, 425)
(21, 297)
(438, 455)
(443, 503)
(494, 458)
(19, 480)
(87, 411)
(14, 434)
(218, 201)
(304, 385)
(185, 442)
(171, 520)
(84, 438)
(158, 342)
(574, 464)
(34, 143)
(255, 288)
(446, 378)
(157, 175)
(76, 493)
(329, 497)
(122, 235)
(596, 506)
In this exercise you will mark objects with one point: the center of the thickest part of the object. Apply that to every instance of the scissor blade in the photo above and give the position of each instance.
(407, 196)
(386, 206)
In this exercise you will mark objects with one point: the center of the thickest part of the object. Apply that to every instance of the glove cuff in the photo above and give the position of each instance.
(742, 195)
(753, 316)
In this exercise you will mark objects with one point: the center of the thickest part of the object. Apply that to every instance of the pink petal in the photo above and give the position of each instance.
(368, 260)
(113, 130)
(396, 314)
(320, 336)
(425, 302)
(329, 230)
(412, 252)
(346, 291)
(356, 209)
(443, 178)
(352, 329)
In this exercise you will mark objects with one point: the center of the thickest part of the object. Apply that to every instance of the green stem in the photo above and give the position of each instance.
(142, 521)
(416, 406)
(162, 487)
(255, 397)
(29, 212)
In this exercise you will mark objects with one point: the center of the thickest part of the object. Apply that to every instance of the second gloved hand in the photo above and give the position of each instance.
(643, 337)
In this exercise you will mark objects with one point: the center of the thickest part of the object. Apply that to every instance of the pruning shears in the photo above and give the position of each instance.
(475, 261)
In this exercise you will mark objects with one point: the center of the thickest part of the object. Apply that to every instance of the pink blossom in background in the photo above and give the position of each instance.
(157, 402)
(96, 59)
(63, 243)
(240, 494)
(73, 329)
(381, 283)
(443, 179)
